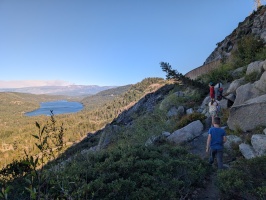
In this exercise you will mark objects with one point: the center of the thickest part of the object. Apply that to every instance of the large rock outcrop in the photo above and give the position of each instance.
(253, 24)
(186, 133)
(249, 115)
(249, 108)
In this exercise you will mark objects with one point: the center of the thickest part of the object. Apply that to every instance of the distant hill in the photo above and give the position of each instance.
(71, 90)
(105, 96)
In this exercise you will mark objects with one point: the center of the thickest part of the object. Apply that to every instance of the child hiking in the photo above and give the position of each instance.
(216, 139)
(213, 108)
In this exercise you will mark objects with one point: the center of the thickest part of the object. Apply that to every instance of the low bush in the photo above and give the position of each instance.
(252, 77)
(245, 178)
(249, 49)
(137, 172)
(163, 172)
(220, 74)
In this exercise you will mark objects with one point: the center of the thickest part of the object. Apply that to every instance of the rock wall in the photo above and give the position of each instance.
(193, 74)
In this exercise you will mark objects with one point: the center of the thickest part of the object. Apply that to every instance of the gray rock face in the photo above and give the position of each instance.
(186, 133)
(231, 140)
(247, 151)
(250, 91)
(256, 66)
(231, 97)
(261, 84)
(107, 135)
(234, 85)
(166, 134)
(150, 141)
(204, 106)
(180, 111)
(189, 111)
(144, 105)
(179, 94)
(172, 112)
(258, 142)
(249, 115)
(238, 72)
(244, 93)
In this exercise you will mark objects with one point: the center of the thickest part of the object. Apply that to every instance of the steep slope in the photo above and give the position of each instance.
(253, 24)
(17, 129)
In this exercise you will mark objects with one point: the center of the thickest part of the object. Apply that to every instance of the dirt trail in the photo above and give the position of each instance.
(198, 147)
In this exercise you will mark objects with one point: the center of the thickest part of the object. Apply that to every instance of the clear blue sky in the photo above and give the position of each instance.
(110, 42)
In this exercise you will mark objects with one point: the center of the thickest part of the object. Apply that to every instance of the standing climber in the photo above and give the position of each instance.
(218, 90)
(212, 92)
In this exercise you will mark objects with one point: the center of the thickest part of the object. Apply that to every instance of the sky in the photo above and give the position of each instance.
(109, 42)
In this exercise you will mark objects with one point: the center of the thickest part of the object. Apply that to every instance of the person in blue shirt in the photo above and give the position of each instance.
(215, 142)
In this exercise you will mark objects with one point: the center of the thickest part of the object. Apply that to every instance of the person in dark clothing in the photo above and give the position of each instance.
(216, 139)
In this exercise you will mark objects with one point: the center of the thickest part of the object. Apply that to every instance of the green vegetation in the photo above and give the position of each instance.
(137, 172)
(221, 73)
(252, 77)
(182, 79)
(245, 178)
(16, 128)
(126, 169)
(249, 49)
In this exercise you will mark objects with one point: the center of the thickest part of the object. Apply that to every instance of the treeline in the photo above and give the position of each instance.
(16, 128)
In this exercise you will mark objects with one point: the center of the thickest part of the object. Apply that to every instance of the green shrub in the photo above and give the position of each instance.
(249, 48)
(170, 101)
(238, 131)
(137, 172)
(259, 129)
(246, 177)
(261, 55)
(224, 116)
(261, 192)
(232, 183)
(219, 74)
(252, 77)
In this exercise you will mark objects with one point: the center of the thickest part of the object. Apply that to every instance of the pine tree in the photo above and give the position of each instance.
(257, 3)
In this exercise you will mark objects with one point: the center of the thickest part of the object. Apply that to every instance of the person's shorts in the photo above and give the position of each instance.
(213, 113)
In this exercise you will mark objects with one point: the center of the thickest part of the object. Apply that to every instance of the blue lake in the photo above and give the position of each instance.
(58, 107)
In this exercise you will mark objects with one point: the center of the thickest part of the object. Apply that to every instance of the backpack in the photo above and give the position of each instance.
(220, 93)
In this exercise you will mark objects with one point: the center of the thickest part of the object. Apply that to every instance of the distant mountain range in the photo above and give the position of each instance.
(71, 90)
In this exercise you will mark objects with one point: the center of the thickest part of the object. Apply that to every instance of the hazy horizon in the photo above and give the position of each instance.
(37, 83)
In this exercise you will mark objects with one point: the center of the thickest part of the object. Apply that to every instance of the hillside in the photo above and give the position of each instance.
(70, 90)
(147, 140)
(100, 109)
